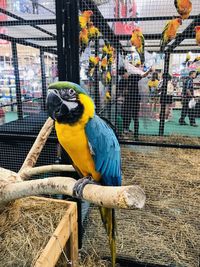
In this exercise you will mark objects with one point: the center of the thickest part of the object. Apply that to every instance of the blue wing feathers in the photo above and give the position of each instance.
(105, 166)
(106, 149)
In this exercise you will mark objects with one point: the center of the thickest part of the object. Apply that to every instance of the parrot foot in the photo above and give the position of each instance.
(80, 184)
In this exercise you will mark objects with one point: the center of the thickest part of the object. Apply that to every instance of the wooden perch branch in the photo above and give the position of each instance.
(125, 197)
(13, 186)
(38, 145)
(29, 172)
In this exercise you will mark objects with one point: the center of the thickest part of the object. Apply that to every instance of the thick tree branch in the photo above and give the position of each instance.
(26, 173)
(125, 197)
(38, 145)
(13, 187)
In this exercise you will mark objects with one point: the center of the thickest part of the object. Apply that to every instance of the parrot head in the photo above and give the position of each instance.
(84, 31)
(94, 60)
(197, 28)
(179, 20)
(137, 30)
(63, 102)
(188, 56)
(138, 63)
(87, 13)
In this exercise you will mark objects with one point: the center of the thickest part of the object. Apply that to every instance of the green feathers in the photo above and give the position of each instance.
(64, 85)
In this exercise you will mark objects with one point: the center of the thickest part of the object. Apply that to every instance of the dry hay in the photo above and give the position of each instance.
(167, 230)
(92, 260)
(172, 139)
(168, 139)
(25, 228)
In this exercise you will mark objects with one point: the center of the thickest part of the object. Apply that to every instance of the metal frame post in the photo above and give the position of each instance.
(163, 95)
(71, 43)
(67, 23)
(43, 76)
(60, 46)
(17, 80)
(67, 39)
(74, 22)
(71, 29)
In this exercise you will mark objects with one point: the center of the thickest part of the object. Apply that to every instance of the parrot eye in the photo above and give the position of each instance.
(71, 92)
(67, 94)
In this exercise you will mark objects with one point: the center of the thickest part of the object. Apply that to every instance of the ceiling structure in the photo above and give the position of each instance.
(115, 21)
(19, 24)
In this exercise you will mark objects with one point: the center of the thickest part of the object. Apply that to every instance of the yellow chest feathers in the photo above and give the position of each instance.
(74, 140)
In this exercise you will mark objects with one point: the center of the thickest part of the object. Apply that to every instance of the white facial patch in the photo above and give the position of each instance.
(70, 105)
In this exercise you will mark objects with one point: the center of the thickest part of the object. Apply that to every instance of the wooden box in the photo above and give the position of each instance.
(39, 232)
(64, 239)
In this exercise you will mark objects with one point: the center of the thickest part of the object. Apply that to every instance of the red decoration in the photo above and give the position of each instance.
(125, 9)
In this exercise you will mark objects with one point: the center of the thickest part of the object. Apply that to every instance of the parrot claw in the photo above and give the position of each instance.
(80, 184)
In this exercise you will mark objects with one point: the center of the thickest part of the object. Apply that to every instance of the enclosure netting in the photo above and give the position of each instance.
(28, 63)
(141, 93)
(141, 85)
(166, 231)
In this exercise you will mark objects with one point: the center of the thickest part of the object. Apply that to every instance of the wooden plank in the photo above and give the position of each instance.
(69, 203)
(56, 244)
(74, 238)
(53, 249)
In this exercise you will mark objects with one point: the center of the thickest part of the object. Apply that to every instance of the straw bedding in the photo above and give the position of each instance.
(25, 228)
(171, 139)
(167, 139)
(167, 230)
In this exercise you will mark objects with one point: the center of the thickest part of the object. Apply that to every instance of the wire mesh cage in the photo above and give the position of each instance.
(148, 73)
(145, 100)
(156, 107)
(166, 231)
(28, 64)
(139, 61)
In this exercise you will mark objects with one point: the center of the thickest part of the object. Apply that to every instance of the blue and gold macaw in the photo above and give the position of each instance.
(89, 141)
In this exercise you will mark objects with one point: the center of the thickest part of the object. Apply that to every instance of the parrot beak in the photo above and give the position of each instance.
(54, 103)
(63, 111)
